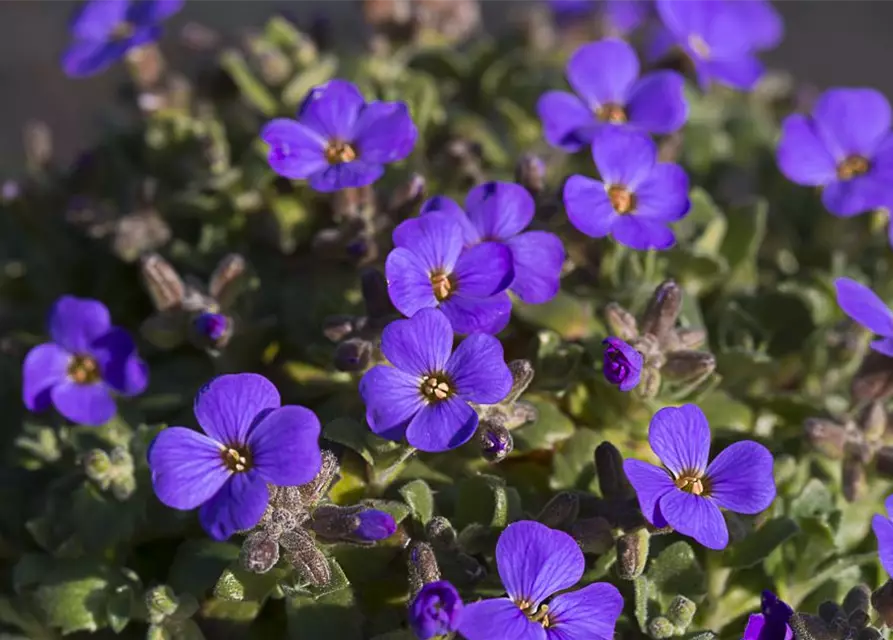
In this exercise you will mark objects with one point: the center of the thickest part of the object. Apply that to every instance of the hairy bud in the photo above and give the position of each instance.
(440, 533)
(421, 565)
(853, 478)
(857, 599)
(302, 554)
(495, 440)
(530, 173)
(882, 601)
(681, 612)
(522, 376)
(826, 436)
(691, 338)
(313, 491)
(621, 322)
(354, 354)
(663, 309)
(337, 328)
(520, 413)
(560, 511)
(161, 602)
(874, 379)
(374, 286)
(688, 364)
(632, 553)
(98, 467)
(660, 628)
(873, 421)
(649, 384)
(594, 535)
(408, 195)
(259, 553)
(612, 478)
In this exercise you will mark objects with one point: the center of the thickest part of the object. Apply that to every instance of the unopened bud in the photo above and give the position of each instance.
(161, 602)
(123, 487)
(621, 322)
(440, 533)
(684, 365)
(520, 413)
(495, 439)
(212, 329)
(281, 520)
(408, 195)
(807, 627)
(314, 490)
(594, 535)
(560, 511)
(869, 633)
(649, 384)
(858, 620)
(857, 599)
(374, 525)
(660, 628)
(354, 354)
(829, 611)
(681, 612)
(301, 553)
(691, 338)
(873, 421)
(530, 173)
(337, 328)
(826, 436)
(475, 538)
(374, 286)
(883, 461)
(663, 310)
(259, 553)
(422, 566)
(853, 478)
(98, 467)
(612, 478)
(882, 601)
(874, 379)
(287, 498)
(332, 522)
(632, 553)
(522, 376)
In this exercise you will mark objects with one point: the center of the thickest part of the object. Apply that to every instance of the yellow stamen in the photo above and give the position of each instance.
(338, 152)
(436, 388)
(442, 286)
(690, 484)
(852, 167)
(697, 44)
(612, 113)
(622, 199)
(83, 370)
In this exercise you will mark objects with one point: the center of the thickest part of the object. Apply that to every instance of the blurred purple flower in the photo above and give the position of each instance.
(251, 441)
(845, 146)
(865, 307)
(429, 268)
(772, 623)
(720, 37)
(687, 493)
(637, 196)
(436, 610)
(620, 16)
(375, 525)
(622, 364)
(105, 30)
(605, 76)
(499, 212)
(87, 362)
(339, 140)
(535, 562)
(883, 531)
(424, 396)
(212, 325)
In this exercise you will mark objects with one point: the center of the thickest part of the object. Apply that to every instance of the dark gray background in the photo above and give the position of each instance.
(828, 42)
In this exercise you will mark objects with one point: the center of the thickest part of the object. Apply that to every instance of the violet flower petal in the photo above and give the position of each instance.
(478, 370)
(740, 73)
(884, 345)
(499, 210)
(332, 110)
(663, 195)
(442, 426)
(392, 399)
(624, 156)
(603, 72)
(498, 618)
(589, 613)
(436, 238)
(87, 404)
(120, 366)
(285, 446)
(657, 102)
(741, 478)
(228, 406)
(96, 20)
(864, 306)
(568, 124)
(695, 516)
(537, 260)
(420, 345)
(409, 282)
(803, 157)
(76, 322)
(237, 506)
(485, 315)
(44, 367)
(384, 132)
(680, 436)
(346, 175)
(588, 207)
(650, 483)
(296, 151)
(484, 270)
(852, 121)
(883, 531)
(187, 467)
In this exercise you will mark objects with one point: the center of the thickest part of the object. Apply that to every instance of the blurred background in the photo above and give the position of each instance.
(827, 42)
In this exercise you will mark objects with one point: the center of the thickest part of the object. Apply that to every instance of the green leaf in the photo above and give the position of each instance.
(420, 93)
(550, 427)
(814, 501)
(759, 544)
(321, 71)
(645, 606)
(746, 230)
(251, 87)
(351, 434)
(325, 612)
(573, 466)
(420, 498)
(482, 499)
(240, 585)
(676, 570)
(568, 316)
(198, 564)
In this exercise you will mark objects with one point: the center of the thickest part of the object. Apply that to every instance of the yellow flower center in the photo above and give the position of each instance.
(436, 387)
(338, 152)
(692, 483)
(622, 199)
(852, 167)
(83, 370)
(442, 285)
(540, 615)
(236, 459)
(612, 113)
(696, 43)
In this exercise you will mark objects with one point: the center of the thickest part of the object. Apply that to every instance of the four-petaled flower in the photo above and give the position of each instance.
(105, 30)
(864, 306)
(430, 268)
(499, 212)
(622, 364)
(688, 493)
(535, 562)
(339, 140)
(605, 76)
(87, 361)
(436, 610)
(720, 37)
(637, 196)
(772, 623)
(251, 441)
(425, 395)
(883, 531)
(844, 146)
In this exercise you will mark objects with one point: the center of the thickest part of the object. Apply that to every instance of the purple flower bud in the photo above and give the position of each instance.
(212, 325)
(375, 525)
(435, 611)
(622, 364)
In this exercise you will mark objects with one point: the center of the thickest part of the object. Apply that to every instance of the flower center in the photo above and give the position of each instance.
(540, 615)
(697, 44)
(436, 387)
(338, 152)
(442, 285)
(622, 199)
(236, 459)
(691, 482)
(83, 370)
(617, 367)
(852, 167)
(612, 113)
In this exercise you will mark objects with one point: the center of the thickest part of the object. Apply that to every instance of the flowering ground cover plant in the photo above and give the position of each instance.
(539, 334)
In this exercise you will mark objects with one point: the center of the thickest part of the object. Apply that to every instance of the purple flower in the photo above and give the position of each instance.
(845, 146)
(883, 531)
(105, 30)
(720, 37)
(425, 395)
(772, 624)
(499, 212)
(621, 16)
(637, 196)
(864, 306)
(375, 525)
(605, 76)
(87, 361)
(688, 493)
(212, 325)
(251, 441)
(535, 562)
(339, 140)
(435, 611)
(429, 268)
(622, 364)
